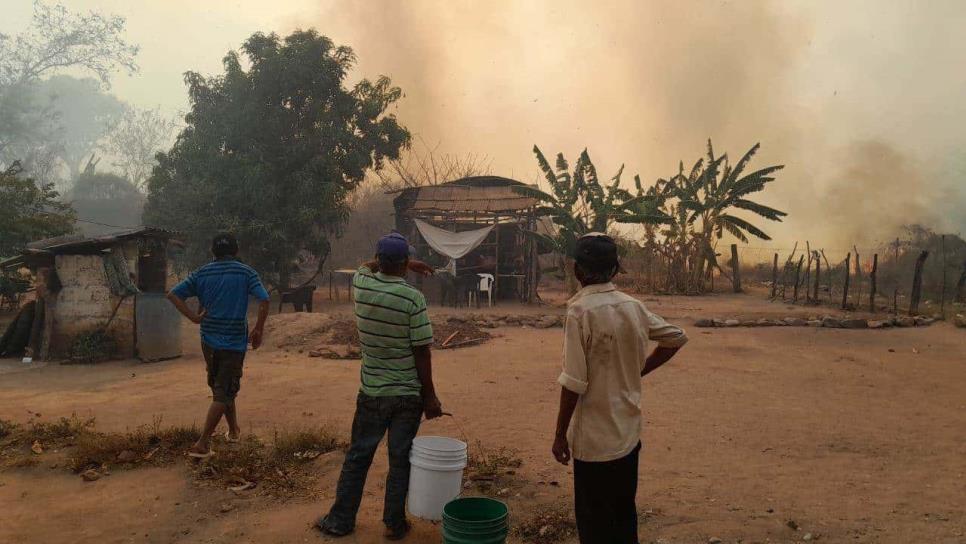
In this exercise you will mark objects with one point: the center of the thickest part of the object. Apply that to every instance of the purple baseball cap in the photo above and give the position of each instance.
(393, 247)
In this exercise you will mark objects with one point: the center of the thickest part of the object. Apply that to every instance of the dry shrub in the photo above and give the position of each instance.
(62, 432)
(280, 469)
(7, 428)
(491, 463)
(547, 526)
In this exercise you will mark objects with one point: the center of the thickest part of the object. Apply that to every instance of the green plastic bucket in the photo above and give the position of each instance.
(475, 520)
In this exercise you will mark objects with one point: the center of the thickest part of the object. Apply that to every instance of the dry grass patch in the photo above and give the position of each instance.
(148, 444)
(492, 471)
(282, 468)
(547, 526)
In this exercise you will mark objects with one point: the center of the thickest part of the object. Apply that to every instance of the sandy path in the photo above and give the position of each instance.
(827, 427)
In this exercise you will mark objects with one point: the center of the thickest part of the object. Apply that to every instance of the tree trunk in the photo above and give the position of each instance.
(845, 288)
(917, 284)
(735, 269)
(818, 278)
(774, 276)
(872, 281)
(961, 285)
(798, 275)
(569, 276)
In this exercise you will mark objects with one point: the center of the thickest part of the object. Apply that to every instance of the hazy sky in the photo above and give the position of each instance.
(862, 101)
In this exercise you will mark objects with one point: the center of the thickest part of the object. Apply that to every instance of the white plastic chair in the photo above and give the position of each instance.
(486, 286)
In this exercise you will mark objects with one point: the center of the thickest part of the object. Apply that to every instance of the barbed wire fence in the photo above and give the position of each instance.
(922, 276)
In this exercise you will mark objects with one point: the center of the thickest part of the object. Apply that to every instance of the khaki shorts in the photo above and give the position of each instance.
(224, 372)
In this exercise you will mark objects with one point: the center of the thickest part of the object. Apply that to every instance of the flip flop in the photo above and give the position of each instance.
(196, 455)
(230, 439)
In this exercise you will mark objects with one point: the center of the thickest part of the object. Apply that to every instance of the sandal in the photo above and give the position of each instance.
(196, 455)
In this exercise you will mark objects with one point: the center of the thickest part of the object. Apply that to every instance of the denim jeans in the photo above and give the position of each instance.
(400, 416)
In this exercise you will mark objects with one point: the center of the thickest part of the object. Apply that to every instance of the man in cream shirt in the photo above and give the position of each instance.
(605, 357)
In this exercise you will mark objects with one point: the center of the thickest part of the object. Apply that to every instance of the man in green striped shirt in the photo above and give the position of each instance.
(397, 384)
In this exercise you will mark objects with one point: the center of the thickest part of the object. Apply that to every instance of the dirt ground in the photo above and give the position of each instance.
(850, 435)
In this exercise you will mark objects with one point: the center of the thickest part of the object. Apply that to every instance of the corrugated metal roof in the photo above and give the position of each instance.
(459, 198)
(61, 244)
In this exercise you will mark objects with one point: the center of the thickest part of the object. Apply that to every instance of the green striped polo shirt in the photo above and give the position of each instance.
(392, 319)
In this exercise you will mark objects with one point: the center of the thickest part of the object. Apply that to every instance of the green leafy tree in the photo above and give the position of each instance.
(272, 151)
(29, 211)
(578, 204)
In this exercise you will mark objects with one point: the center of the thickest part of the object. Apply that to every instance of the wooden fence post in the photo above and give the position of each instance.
(917, 283)
(872, 279)
(858, 278)
(942, 296)
(735, 268)
(798, 273)
(818, 277)
(774, 276)
(845, 288)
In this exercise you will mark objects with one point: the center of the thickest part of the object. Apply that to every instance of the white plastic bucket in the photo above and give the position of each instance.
(436, 475)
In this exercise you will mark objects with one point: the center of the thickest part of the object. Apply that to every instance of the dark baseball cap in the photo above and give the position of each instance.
(224, 244)
(596, 252)
(394, 247)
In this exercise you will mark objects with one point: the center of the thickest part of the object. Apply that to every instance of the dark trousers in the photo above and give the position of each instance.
(605, 496)
(375, 416)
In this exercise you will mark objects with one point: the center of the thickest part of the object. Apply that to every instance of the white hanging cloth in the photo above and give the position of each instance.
(452, 244)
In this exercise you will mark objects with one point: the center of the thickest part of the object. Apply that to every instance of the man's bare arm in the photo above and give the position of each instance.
(182, 306)
(658, 357)
(256, 335)
(568, 403)
(424, 369)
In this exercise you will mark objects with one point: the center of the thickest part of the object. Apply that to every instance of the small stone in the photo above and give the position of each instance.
(227, 507)
(792, 524)
(905, 321)
(814, 323)
(90, 475)
(714, 540)
(878, 324)
(503, 492)
(126, 456)
(854, 324)
(923, 321)
(732, 323)
(770, 510)
(704, 323)
(832, 323)
(795, 322)
(37, 448)
(808, 537)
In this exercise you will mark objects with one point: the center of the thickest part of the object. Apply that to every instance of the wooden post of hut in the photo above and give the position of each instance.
(917, 283)
(735, 269)
(845, 287)
(872, 281)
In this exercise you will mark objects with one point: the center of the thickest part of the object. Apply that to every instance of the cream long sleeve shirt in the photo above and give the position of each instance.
(605, 346)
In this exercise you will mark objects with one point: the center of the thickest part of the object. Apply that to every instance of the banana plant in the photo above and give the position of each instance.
(578, 203)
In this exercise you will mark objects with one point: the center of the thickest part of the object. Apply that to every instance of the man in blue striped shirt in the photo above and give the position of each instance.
(223, 288)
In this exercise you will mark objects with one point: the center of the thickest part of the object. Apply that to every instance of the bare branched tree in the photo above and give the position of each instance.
(426, 166)
(58, 39)
(136, 139)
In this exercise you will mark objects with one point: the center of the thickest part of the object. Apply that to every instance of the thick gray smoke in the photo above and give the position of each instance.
(849, 97)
